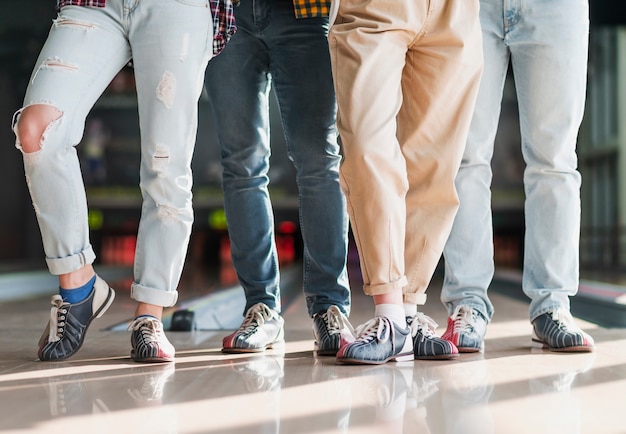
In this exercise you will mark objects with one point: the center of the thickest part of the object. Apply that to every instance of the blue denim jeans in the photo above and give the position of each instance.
(170, 43)
(272, 47)
(546, 43)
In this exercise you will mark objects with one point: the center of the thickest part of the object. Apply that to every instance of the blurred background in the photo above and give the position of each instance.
(109, 154)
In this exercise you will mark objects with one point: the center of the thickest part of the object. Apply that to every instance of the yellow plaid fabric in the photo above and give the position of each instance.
(311, 8)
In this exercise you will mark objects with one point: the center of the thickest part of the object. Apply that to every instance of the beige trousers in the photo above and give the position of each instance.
(406, 76)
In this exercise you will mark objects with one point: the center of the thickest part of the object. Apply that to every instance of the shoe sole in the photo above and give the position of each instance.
(98, 314)
(438, 357)
(470, 349)
(465, 349)
(573, 349)
(152, 359)
(273, 346)
(404, 357)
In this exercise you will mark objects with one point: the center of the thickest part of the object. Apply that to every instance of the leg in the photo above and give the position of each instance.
(51, 124)
(440, 84)
(302, 78)
(551, 79)
(171, 47)
(469, 249)
(373, 172)
(301, 73)
(85, 49)
(239, 98)
(550, 76)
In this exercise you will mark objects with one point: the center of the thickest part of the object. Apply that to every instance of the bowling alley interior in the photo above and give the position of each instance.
(510, 386)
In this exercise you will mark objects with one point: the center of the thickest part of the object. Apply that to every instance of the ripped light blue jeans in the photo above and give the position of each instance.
(546, 43)
(170, 43)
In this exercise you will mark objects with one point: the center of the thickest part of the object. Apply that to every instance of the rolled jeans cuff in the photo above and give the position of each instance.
(58, 266)
(157, 297)
(385, 288)
(414, 298)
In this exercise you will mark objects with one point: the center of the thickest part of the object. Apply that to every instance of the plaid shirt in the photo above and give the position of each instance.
(311, 8)
(222, 11)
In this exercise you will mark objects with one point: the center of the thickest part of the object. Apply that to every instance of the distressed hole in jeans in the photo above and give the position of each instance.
(63, 21)
(184, 50)
(166, 89)
(161, 159)
(30, 138)
(28, 184)
(30, 161)
(167, 214)
(55, 63)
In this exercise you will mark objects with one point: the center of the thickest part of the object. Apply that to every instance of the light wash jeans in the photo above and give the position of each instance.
(271, 46)
(170, 43)
(546, 42)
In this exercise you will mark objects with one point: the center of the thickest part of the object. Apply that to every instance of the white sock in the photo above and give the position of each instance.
(410, 309)
(394, 312)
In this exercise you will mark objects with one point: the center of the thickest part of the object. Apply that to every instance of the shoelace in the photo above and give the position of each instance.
(57, 318)
(464, 319)
(424, 323)
(379, 327)
(150, 328)
(564, 321)
(256, 317)
(336, 321)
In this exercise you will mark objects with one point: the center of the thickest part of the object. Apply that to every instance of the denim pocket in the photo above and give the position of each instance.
(199, 3)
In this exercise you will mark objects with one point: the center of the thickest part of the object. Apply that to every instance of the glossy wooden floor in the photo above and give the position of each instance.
(510, 388)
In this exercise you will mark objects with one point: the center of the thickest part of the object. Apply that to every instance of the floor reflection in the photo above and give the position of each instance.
(510, 388)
